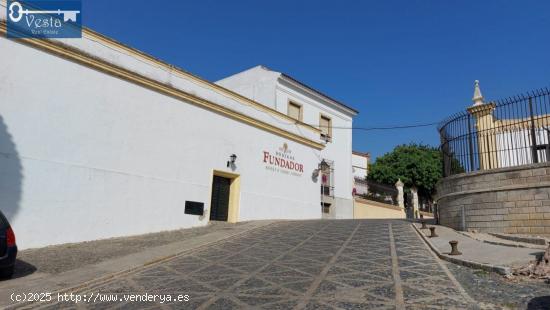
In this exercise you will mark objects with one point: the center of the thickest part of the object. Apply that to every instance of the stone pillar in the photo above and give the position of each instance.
(400, 194)
(486, 134)
(414, 192)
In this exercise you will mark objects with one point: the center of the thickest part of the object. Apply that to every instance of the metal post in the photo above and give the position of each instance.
(489, 162)
(442, 147)
(454, 248)
(471, 143)
(432, 232)
(533, 136)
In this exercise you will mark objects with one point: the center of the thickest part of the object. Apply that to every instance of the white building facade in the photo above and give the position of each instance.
(99, 140)
(360, 167)
(360, 164)
(304, 104)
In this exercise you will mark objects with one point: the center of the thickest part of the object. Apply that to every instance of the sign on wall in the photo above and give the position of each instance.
(282, 161)
(44, 19)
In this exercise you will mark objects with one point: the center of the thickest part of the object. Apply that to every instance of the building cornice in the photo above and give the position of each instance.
(320, 96)
(86, 32)
(73, 54)
(367, 155)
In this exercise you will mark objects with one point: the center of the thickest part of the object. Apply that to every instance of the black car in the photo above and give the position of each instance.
(8, 248)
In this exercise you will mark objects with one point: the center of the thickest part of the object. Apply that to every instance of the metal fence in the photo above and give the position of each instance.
(505, 133)
(379, 192)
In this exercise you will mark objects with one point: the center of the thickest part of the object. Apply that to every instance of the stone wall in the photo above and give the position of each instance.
(507, 200)
(368, 209)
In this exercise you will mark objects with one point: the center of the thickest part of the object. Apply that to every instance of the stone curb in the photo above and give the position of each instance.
(108, 277)
(534, 246)
(505, 271)
(524, 239)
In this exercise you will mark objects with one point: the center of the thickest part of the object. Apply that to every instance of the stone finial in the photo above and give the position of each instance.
(399, 183)
(478, 98)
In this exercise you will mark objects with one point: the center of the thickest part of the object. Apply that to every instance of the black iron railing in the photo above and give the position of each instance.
(379, 192)
(505, 133)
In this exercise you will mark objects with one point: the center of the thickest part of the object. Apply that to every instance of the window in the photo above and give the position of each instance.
(325, 125)
(295, 111)
(327, 180)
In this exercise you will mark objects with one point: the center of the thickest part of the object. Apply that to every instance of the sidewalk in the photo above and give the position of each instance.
(63, 268)
(475, 253)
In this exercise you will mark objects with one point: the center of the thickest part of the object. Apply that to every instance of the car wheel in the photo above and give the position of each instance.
(6, 273)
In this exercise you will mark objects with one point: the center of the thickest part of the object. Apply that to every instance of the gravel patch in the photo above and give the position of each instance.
(491, 288)
(60, 258)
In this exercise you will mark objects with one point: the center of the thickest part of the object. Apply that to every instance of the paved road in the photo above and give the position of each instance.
(301, 265)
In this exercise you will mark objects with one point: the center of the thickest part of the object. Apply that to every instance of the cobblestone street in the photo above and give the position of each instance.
(302, 265)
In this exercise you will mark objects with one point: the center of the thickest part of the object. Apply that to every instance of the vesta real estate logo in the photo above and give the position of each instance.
(44, 19)
(282, 161)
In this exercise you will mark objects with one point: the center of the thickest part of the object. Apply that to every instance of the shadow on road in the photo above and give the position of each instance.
(538, 255)
(23, 269)
(541, 302)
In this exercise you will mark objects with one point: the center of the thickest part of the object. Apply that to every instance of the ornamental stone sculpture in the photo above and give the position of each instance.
(414, 192)
(400, 194)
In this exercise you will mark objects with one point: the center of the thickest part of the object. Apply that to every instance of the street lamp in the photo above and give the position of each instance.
(323, 165)
(232, 160)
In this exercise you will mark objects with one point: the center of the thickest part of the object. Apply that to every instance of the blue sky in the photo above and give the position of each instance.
(397, 62)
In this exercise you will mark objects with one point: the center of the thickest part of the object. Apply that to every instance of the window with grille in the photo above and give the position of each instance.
(327, 180)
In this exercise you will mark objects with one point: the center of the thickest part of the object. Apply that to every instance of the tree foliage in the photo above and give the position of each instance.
(414, 164)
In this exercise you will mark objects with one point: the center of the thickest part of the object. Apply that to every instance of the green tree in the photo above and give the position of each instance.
(414, 164)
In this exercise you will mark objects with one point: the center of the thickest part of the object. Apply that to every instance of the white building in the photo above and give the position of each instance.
(304, 104)
(360, 164)
(360, 167)
(100, 140)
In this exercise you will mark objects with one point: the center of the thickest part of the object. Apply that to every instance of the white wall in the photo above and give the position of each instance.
(256, 83)
(359, 166)
(100, 157)
(339, 149)
(514, 147)
(259, 83)
(185, 82)
(361, 187)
